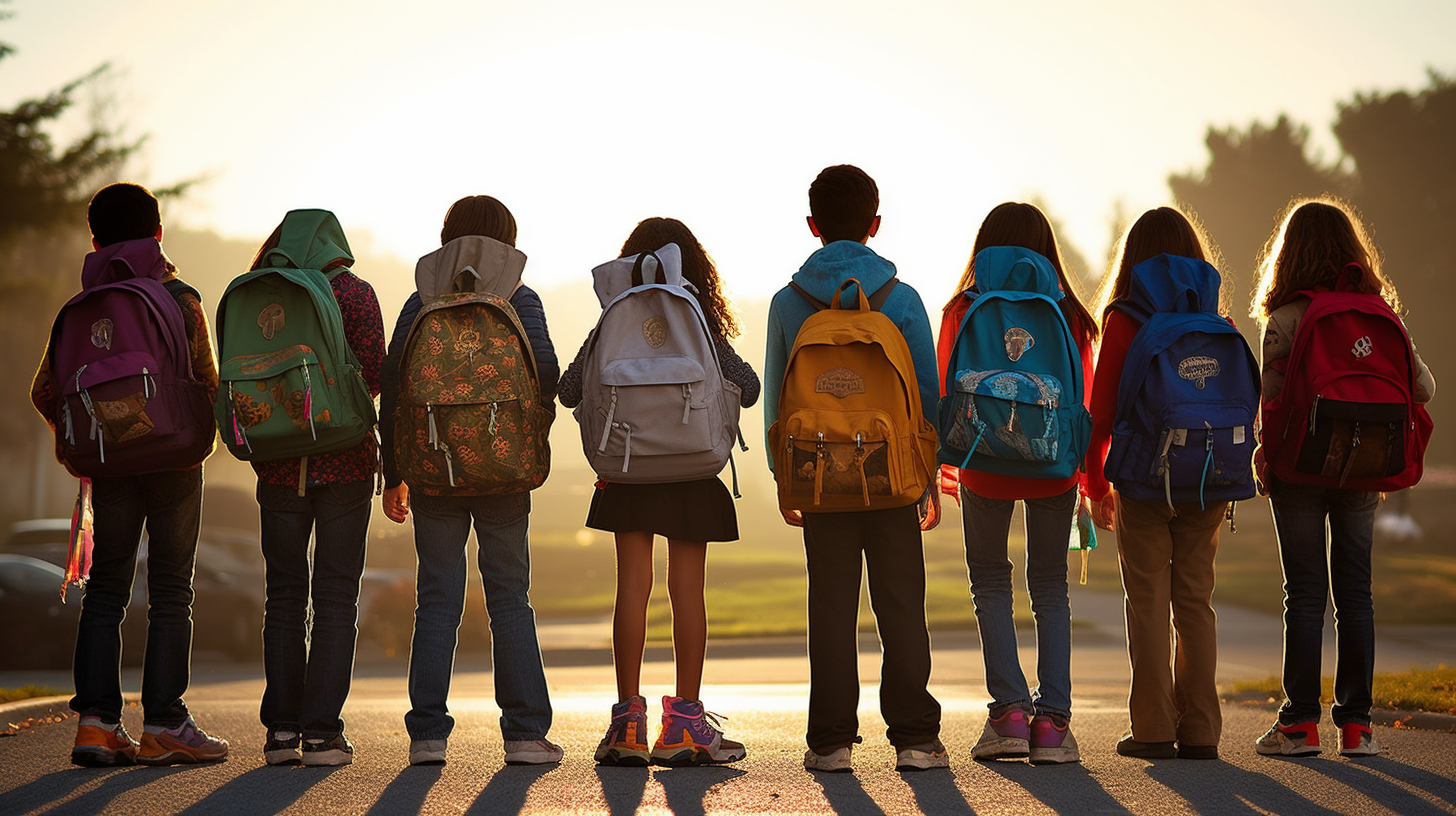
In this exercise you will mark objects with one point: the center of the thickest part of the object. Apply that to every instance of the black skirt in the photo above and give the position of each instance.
(685, 511)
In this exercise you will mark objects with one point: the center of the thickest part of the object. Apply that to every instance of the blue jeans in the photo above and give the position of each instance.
(987, 524)
(1313, 572)
(308, 654)
(442, 525)
(170, 505)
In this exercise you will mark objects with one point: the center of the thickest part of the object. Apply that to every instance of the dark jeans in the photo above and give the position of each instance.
(838, 546)
(311, 613)
(170, 505)
(1313, 570)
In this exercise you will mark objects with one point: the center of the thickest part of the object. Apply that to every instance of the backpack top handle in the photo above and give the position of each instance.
(640, 272)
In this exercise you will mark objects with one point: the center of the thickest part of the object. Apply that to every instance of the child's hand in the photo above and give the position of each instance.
(396, 503)
(1103, 512)
(793, 518)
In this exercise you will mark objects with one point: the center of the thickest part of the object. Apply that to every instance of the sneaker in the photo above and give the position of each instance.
(1052, 742)
(282, 748)
(329, 752)
(102, 744)
(533, 752)
(625, 742)
(922, 757)
(836, 761)
(182, 745)
(427, 752)
(1007, 735)
(1357, 740)
(1129, 747)
(1197, 751)
(1299, 739)
(691, 736)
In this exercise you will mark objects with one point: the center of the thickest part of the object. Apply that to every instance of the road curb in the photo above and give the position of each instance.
(1424, 720)
(21, 713)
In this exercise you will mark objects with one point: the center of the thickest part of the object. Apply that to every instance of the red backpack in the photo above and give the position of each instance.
(1347, 415)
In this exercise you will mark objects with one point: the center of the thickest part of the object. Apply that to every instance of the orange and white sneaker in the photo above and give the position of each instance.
(1298, 739)
(183, 745)
(102, 744)
(691, 736)
(625, 742)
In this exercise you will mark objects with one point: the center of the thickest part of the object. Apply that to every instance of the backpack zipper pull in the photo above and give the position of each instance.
(859, 461)
(819, 467)
(69, 430)
(607, 427)
(1313, 409)
(492, 418)
(1167, 470)
(627, 453)
(687, 393)
(308, 403)
(1207, 461)
(1350, 457)
(434, 434)
(147, 387)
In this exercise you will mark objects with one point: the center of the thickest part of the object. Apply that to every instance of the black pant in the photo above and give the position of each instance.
(170, 505)
(888, 543)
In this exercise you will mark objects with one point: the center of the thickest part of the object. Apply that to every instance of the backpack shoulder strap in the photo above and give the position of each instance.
(177, 287)
(877, 300)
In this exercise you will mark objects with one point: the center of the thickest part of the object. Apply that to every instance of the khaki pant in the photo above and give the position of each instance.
(1167, 566)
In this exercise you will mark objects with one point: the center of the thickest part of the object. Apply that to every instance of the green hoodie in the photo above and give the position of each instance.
(310, 239)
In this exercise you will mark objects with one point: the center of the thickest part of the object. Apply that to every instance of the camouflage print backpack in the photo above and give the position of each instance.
(470, 419)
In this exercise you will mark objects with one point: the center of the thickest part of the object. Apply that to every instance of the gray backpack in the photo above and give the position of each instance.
(655, 407)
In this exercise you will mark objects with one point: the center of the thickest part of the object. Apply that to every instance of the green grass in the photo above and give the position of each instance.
(1414, 690)
(10, 695)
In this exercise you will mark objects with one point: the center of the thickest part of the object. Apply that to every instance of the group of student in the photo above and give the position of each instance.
(860, 400)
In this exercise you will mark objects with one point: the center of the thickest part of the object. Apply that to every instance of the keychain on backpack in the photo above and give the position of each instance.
(1083, 537)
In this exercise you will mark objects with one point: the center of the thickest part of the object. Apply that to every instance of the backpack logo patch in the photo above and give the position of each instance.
(654, 331)
(839, 383)
(101, 332)
(468, 343)
(1198, 370)
(1363, 348)
(1018, 342)
(270, 320)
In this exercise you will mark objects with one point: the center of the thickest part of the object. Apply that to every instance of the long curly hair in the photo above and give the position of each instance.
(698, 269)
(1315, 240)
(1024, 225)
(1162, 230)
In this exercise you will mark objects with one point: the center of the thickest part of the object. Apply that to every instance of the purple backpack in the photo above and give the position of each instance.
(126, 401)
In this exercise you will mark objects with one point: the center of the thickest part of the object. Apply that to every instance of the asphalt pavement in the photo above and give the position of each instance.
(761, 686)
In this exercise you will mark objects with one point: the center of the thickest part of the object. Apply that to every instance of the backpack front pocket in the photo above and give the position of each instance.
(1005, 415)
(1353, 440)
(1203, 449)
(655, 406)
(841, 459)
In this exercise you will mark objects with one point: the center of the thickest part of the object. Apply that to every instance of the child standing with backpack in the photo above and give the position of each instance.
(868, 463)
(687, 513)
(323, 495)
(1016, 327)
(1343, 420)
(445, 338)
(133, 307)
(1174, 476)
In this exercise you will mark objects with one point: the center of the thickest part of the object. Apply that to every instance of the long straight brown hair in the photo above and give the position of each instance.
(1159, 231)
(1024, 225)
(1316, 239)
(697, 267)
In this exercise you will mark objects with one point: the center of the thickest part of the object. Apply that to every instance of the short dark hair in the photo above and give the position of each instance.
(843, 201)
(479, 215)
(123, 212)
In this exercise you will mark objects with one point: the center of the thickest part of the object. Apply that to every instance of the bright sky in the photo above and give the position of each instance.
(585, 117)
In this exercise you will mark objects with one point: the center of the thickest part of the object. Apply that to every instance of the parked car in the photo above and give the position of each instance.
(227, 610)
(39, 630)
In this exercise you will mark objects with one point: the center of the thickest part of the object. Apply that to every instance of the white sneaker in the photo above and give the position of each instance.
(922, 757)
(427, 752)
(533, 752)
(833, 762)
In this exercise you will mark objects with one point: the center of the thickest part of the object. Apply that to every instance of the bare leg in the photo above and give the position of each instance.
(629, 615)
(686, 568)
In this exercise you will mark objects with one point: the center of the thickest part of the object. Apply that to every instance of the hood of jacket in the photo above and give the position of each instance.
(825, 270)
(140, 258)
(470, 263)
(1173, 283)
(311, 239)
(1017, 269)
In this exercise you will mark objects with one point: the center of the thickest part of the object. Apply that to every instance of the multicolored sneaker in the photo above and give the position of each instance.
(1357, 740)
(625, 742)
(282, 748)
(1007, 734)
(1052, 741)
(922, 757)
(1299, 739)
(691, 736)
(102, 744)
(183, 745)
(836, 761)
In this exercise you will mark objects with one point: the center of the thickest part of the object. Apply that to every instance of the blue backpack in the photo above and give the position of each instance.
(1184, 427)
(1013, 403)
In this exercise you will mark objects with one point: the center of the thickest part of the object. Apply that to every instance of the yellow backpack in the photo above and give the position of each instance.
(850, 433)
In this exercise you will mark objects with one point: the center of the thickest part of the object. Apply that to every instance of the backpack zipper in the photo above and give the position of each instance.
(308, 404)
(687, 394)
(1207, 462)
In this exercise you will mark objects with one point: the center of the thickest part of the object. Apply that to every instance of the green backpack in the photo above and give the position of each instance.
(290, 385)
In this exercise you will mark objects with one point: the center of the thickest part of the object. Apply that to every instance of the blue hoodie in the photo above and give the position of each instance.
(820, 276)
